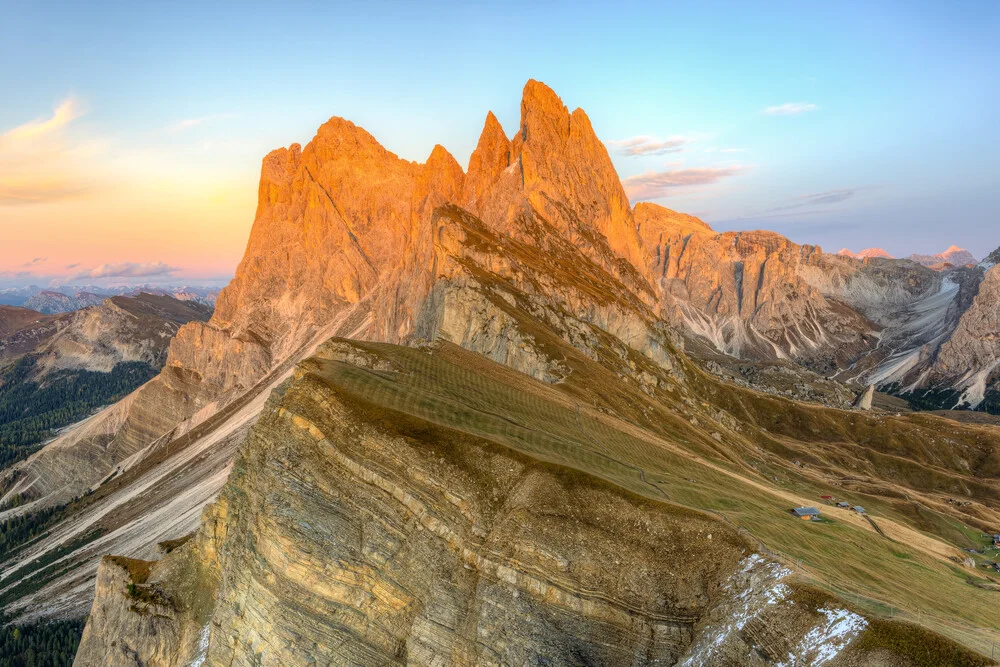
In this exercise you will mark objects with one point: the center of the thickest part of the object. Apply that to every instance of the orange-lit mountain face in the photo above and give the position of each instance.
(438, 377)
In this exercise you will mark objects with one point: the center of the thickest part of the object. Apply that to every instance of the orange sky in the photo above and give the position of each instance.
(71, 201)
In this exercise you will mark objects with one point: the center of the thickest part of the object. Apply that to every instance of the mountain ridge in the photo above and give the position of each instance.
(375, 315)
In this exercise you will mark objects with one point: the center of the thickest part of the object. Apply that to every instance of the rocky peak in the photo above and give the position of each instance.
(867, 253)
(489, 161)
(560, 171)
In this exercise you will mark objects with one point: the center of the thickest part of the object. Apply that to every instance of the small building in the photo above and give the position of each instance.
(843, 504)
(826, 498)
(806, 513)
(859, 509)
(996, 540)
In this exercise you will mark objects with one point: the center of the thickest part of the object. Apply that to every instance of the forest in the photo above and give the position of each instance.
(31, 411)
(51, 644)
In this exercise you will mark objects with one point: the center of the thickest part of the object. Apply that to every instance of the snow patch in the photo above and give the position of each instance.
(759, 585)
(199, 658)
(825, 641)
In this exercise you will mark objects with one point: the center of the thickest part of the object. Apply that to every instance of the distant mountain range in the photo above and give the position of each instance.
(67, 298)
(952, 257)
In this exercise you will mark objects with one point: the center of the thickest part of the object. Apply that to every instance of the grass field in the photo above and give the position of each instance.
(665, 449)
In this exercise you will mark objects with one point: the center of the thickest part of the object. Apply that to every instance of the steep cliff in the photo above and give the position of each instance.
(402, 506)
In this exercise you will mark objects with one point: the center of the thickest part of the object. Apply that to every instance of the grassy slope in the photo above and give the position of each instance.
(601, 425)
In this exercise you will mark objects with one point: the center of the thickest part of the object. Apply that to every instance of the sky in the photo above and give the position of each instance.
(131, 134)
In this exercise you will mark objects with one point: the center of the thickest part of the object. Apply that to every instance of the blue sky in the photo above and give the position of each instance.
(846, 124)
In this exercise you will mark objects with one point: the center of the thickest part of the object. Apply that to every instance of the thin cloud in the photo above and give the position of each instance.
(188, 123)
(827, 198)
(33, 262)
(646, 145)
(42, 190)
(126, 270)
(67, 111)
(790, 108)
(40, 164)
(72, 266)
(657, 184)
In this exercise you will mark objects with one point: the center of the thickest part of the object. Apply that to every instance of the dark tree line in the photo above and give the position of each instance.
(30, 412)
(21, 529)
(50, 644)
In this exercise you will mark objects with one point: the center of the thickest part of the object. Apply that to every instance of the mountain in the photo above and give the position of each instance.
(69, 298)
(56, 369)
(22, 329)
(443, 417)
(16, 296)
(952, 257)
(867, 253)
(50, 302)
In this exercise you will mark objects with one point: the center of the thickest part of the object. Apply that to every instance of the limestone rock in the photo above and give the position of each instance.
(864, 400)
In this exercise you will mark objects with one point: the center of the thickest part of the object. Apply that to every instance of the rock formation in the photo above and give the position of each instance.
(952, 257)
(867, 253)
(970, 359)
(51, 302)
(864, 400)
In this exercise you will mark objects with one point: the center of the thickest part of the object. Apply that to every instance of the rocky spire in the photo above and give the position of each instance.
(556, 168)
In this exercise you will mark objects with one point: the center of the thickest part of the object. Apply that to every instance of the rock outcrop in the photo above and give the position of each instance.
(970, 359)
(748, 293)
(952, 257)
(52, 302)
(865, 399)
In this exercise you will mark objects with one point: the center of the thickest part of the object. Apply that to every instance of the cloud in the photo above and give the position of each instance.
(72, 266)
(646, 145)
(33, 262)
(40, 190)
(39, 164)
(790, 108)
(656, 184)
(827, 198)
(188, 123)
(67, 111)
(126, 270)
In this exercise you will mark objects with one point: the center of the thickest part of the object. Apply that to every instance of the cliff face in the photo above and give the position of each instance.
(745, 292)
(121, 329)
(425, 506)
(970, 359)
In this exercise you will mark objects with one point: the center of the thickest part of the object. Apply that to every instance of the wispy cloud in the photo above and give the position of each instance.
(40, 164)
(657, 184)
(647, 145)
(72, 266)
(34, 262)
(39, 190)
(790, 108)
(827, 198)
(188, 123)
(67, 111)
(126, 270)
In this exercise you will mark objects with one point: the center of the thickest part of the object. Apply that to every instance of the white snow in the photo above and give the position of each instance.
(199, 658)
(825, 641)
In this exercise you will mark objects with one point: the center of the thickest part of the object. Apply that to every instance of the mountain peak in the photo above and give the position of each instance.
(867, 253)
(539, 103)
(953, 256)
